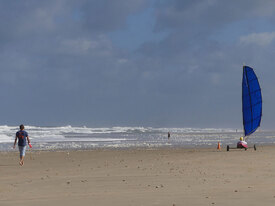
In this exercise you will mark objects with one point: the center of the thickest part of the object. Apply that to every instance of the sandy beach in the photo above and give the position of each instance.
(139, 177)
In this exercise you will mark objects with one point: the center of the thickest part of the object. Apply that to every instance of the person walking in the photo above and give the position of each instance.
(22, 137)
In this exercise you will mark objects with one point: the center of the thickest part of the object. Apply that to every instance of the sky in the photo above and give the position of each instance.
(156, 63)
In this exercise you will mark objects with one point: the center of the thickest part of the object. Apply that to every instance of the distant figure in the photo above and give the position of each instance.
(242, 143)
(168, 135)
(22, 137)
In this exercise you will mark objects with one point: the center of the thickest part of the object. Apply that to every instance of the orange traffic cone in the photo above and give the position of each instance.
(219, 146)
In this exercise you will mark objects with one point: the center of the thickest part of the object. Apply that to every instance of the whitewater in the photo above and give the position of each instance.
(70, 137)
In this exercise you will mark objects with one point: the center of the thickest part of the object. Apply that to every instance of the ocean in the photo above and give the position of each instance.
(70, 137)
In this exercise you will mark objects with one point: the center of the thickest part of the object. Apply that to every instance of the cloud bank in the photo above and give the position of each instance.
(60, 63)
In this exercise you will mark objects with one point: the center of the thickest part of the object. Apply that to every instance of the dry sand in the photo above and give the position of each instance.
(139, 177)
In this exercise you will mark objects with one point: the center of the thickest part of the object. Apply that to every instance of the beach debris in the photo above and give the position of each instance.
(236, 191)
(68, 182)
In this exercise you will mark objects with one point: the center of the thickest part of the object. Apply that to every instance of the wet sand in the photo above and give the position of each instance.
(139, 177)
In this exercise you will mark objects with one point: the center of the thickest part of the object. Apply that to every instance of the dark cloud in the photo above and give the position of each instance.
(59, 64)
(209, 15)
(108, 15)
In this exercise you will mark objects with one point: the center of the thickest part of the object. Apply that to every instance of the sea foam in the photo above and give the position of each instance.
(70, 137)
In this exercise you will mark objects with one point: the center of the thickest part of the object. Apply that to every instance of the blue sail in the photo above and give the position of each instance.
(252, 101)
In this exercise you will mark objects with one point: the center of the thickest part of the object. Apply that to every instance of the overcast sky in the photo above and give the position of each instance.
(160, 63)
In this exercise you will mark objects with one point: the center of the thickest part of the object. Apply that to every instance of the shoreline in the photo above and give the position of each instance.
(154, 176)
(152, 147)
(63, 138)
